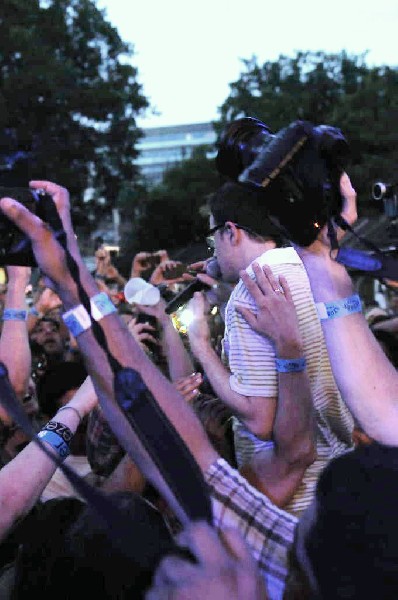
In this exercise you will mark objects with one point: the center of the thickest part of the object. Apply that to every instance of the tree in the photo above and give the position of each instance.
(335, 89)
(68, 98)
(172, 214)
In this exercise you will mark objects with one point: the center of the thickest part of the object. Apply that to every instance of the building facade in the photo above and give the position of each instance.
(163, 147)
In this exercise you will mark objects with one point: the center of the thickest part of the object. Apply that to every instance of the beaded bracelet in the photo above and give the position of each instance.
(55, 442)
(290, 365)
(12, 314)
(77, 320)
(339, 308)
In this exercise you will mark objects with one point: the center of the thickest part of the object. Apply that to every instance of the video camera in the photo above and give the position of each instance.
(15, 247)
(387, 193)
(299, 171)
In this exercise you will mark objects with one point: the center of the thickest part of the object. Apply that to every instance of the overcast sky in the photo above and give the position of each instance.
(188, 52)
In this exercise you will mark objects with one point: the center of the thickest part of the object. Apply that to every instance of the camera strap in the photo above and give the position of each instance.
(375, 263)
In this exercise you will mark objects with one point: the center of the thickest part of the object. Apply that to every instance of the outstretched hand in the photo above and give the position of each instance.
(48, 252)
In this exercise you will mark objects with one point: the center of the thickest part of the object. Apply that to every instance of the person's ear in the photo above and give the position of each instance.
(232, 232)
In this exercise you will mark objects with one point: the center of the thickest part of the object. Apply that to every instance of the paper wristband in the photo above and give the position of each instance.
(290, 365)
(77, 320)
(339, 308)
(101, 306)
(55, 442)
(12, 314)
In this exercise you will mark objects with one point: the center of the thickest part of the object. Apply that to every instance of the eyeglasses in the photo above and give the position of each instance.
(210, 234)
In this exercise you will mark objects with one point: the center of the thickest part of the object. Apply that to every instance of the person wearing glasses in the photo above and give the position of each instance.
(289, 418)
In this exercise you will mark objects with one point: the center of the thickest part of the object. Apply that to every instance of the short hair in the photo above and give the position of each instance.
(353, 542)
(244, 205)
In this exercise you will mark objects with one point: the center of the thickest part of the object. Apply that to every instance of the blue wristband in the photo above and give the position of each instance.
(77, 320)
(290, 365)
(339, 308)
(56, 442)
(12, 314)
(101, 306)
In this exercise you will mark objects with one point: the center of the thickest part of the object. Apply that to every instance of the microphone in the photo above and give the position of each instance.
(185, 295)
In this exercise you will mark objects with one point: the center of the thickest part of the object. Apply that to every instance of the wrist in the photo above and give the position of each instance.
(289, 350)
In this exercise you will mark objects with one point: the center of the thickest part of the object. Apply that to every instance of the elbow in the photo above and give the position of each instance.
(300, 454)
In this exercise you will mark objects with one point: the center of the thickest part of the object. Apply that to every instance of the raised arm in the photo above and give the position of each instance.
(14, 342)
(24, 478)
(121, 344)
(367, 381)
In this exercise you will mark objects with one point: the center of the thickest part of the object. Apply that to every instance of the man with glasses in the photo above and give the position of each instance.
(287, 423)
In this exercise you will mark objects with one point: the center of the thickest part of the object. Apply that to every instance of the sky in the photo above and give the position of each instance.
(187, 53)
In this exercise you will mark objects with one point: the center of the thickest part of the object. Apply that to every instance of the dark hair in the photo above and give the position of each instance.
(56, 381)
(353, 543)
(238, 145)
(66, 553)
(245, 206)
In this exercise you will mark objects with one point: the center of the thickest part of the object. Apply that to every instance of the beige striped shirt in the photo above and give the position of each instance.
(251, 360)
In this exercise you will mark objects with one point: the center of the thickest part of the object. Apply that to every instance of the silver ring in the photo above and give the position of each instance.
(278, 290)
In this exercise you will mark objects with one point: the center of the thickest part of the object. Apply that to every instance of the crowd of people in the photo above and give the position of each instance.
(254, 456)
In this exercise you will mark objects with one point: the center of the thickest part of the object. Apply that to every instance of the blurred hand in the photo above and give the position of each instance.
(224, 568)
(159, 274)
(189, 386)
(47, 300)
(158, 311)
(142, 332)
(199, 330)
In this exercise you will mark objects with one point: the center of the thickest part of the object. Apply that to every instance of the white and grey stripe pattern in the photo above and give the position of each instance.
(251, 360)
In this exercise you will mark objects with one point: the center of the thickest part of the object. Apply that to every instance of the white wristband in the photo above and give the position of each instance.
(101, 306)
(77, 320)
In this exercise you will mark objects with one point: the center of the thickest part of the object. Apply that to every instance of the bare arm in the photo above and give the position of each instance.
(14, 342)
(256, 412)
(278, 473)
(121, 344)
(367, 380)
(178, 359)
(24, 478)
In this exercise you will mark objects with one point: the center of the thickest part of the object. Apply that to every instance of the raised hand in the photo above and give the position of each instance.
(224, 569)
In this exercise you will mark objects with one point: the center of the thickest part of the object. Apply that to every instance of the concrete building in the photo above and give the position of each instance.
(163, 147)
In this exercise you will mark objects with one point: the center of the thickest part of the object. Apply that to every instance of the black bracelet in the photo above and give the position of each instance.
(62, 430)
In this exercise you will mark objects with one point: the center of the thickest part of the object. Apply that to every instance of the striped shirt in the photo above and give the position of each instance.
(268, 530)
(251, 360)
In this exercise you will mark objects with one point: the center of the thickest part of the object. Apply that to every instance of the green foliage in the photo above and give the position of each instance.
(69, 96)
(335, 89)
(172, 216)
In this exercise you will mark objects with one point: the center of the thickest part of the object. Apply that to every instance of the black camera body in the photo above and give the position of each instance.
(15, 247)
(299, 171)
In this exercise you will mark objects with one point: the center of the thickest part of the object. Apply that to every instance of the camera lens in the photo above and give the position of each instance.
(379, 190)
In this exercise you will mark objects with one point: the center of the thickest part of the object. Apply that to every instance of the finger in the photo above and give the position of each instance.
(285, 287)
(253, 286)
(203, 541)
(26, 221)
(148, 337)
(173, 569)
(272, 280)
(247, 314)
